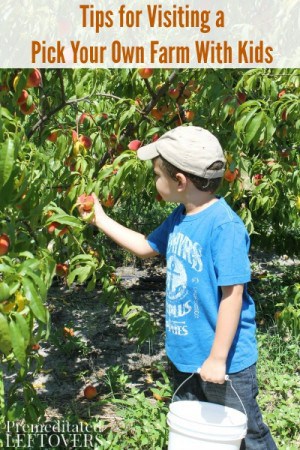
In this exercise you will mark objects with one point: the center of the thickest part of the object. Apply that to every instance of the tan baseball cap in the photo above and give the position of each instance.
(191, 149)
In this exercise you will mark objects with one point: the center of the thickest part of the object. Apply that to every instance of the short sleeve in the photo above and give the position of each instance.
(230, 246)
(158, 239)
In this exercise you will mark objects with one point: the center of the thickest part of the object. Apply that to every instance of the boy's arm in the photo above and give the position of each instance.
(214, 368)
(131, 240)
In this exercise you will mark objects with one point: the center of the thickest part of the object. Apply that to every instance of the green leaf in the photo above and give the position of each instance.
(5, 342)
(7, 153)
(254, 127)
(4, 291)
(36, 279)
(4, 268)
(36, 304)
(18, 342)
(82, 257)
(81, 273)
(6, 114)
(270, 129)
(65, 219)
(23, 326)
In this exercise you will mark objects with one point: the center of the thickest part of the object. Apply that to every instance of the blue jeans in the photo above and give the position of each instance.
(258, 434)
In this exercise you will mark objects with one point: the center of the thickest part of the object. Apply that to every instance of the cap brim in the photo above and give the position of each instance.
(148, 152)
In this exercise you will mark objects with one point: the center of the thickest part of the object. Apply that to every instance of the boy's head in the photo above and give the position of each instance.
(190, 150)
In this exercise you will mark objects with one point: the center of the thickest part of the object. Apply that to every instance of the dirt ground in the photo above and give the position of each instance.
(101, 342)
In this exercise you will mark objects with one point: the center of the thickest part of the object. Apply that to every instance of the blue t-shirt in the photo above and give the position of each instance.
(204, 251)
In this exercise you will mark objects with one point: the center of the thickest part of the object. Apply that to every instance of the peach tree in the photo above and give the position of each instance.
(68, 133)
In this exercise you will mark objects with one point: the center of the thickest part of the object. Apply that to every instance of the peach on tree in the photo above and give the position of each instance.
(23, 97)
(52, 136)
(173, 93)
(257, 179)
(145, 73)
(189, 115)
(4, 244)
(25, 109)
(109, 202)
(157, 114)
(230, 176)
(86, 141)
(56, 226)
(34, 79)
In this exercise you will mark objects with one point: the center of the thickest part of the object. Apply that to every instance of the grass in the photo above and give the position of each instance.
(278, 376)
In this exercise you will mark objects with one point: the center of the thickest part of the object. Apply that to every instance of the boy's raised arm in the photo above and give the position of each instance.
(130, 240)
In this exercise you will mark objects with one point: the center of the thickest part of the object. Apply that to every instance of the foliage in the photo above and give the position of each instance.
(70, 134)
(141, 421)
(278, 375)
(276, 291)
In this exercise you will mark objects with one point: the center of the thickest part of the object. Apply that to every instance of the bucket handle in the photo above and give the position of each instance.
(227, 378)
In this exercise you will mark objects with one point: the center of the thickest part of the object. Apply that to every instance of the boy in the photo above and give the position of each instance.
(210, 317)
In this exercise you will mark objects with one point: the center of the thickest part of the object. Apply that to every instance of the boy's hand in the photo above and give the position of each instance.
(213, 370)
(94, 217)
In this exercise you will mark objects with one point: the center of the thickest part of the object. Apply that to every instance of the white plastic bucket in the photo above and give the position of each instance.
(205, 426)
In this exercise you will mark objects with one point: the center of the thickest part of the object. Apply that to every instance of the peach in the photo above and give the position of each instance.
(241, 97)
(187, 93)
(52, 227)
(86, 141)
(134, 145)
(68, 332)
(34, 79)
(189, 115)
(86, 202)
(63, 231)
(230, 176)
(257, 179)
(173, 93)
(35, 347)
(281, 93)
(74, 136)
(157, 114)
(85, 118)
(62, 269)
(27, 109)
(90, 392)
(284, 115)
(23, 97)
(4, 244)
(109, 202)
(145, 73)
(52, 136)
